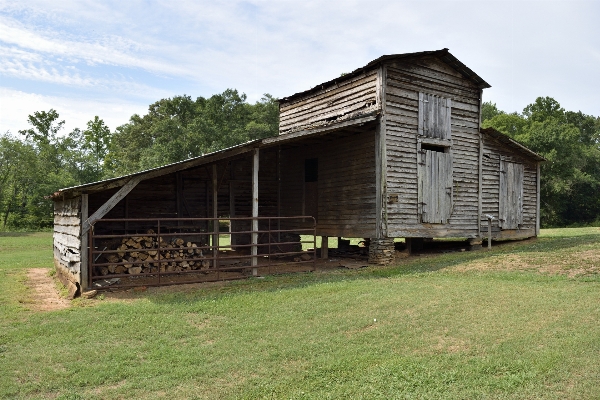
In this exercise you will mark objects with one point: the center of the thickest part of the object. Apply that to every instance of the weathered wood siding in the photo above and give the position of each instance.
(67, 238)
(403, 83)
(348, 99)
(493, 153)
(345, 185)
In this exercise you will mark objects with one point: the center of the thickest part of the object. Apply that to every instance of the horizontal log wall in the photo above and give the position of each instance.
(349, 99)
(403, 82)
(492, 152)
(67, 242)
(345, 186)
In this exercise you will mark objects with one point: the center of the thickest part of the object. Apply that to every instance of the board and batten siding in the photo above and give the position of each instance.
(495, 154)
(403, 83)
(335, 103)
(345, 184)
(67, 238)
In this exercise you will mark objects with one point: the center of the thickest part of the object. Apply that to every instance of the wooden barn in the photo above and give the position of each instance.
(392, 150)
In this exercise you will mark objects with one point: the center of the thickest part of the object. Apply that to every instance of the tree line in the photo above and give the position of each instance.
(43, 158)
(570, 141)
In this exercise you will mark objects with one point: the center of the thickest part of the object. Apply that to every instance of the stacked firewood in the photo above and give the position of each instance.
(146, 254)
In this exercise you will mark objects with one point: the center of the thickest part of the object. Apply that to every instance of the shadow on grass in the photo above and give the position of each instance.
(417, 264)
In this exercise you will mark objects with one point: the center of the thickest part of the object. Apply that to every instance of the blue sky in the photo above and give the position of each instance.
(114, 58)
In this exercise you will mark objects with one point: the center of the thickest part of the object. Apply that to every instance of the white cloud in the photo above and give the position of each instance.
(16, 106)
(135, 48)
(107, 49)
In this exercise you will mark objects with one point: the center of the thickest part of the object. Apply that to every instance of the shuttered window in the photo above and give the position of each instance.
(434, 116)
(511, 195)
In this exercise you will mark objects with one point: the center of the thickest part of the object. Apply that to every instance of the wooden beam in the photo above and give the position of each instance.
(321, 130)
(110, 203)
(179, 186)
(537, 206)
(325, 247)
(255, 166)
(233, 238)
(380, 180)
(215, 204)
(480, 171)
(278, 192)
(84, 252)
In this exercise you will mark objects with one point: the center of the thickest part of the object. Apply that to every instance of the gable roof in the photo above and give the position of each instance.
(443, 54)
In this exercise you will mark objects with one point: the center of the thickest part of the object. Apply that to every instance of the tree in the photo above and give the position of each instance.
(489, 111)
(179, 128)
(97, 139)
(569, 141)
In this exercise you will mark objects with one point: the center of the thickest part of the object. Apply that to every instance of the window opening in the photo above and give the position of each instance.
(311, 170)
(432, 147)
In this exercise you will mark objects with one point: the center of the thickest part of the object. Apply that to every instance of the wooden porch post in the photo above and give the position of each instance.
(83, 259)
(325, 247)
(537, 214)
(215, 240)
(255, 165)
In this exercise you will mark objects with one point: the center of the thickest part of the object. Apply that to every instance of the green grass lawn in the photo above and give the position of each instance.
(519, 322)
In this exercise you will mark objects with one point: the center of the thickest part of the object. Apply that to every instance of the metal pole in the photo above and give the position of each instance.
(490, 233)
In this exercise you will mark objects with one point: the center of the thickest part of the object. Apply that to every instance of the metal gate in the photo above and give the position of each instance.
(167, 251)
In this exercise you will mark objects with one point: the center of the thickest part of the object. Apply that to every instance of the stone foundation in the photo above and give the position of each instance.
(381, 251)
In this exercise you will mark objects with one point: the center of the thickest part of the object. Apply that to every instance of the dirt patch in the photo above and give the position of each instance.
(572, 264)
(45, 296)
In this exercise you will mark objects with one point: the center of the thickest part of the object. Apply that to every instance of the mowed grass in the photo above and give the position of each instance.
(519, 322)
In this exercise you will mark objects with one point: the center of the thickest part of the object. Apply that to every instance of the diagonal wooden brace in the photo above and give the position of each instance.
(106, 207)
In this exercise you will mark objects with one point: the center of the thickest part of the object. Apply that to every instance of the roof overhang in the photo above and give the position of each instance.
(443, 54)
(209, 158)
(158, 171)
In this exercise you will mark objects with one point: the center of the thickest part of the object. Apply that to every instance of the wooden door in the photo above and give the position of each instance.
(510, 213)
(435, 186)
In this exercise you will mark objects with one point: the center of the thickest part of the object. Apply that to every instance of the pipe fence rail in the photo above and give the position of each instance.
(131, 252)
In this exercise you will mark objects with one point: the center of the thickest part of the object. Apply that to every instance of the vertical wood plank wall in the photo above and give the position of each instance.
(404, 82)
(492, 151)
(334, 103)
(346, 184)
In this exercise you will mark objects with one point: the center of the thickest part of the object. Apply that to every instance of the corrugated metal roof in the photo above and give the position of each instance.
(442, 54)
(162, 170)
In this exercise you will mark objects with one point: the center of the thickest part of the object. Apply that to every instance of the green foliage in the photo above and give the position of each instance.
(489, 110)
(175, 129)
(570, 142)
(179, 128)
